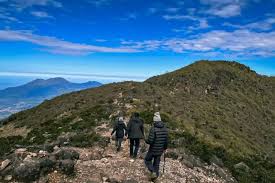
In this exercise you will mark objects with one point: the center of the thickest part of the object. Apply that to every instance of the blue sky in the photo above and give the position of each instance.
(114, 40)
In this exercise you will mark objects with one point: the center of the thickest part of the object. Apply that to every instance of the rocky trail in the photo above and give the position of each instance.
(103, 165)
(97, 165)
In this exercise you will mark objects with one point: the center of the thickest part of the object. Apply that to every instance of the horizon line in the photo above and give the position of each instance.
(75, 75)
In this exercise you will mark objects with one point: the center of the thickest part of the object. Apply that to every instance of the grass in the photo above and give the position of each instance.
(216, 108)
(50, 130)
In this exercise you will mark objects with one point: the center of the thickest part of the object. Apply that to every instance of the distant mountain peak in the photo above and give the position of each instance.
(37, 91)
(57, 79)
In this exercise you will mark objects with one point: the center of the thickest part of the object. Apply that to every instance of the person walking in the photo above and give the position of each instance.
(158, 141)
(121, 131)
(135, 133)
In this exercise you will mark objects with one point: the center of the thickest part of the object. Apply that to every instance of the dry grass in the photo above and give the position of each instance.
(10, 130)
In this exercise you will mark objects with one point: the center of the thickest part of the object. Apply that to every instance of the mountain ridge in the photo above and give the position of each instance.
(212, 108)
(36, 91)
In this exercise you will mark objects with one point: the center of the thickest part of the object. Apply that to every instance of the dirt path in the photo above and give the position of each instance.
(97, 165)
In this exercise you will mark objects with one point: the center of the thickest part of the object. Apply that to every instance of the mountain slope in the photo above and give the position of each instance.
(226, 99)
(212, 108)
(15, 99)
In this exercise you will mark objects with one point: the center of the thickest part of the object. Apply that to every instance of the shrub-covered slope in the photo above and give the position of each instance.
(212, 108)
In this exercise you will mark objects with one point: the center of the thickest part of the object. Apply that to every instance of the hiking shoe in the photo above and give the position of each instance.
(153, 176)
(148, 173)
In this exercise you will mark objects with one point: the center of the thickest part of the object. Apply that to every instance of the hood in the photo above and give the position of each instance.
(159, 124)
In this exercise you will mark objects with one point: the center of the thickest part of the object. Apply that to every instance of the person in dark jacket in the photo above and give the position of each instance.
(158, 141)
(121, 131)
(135, 133)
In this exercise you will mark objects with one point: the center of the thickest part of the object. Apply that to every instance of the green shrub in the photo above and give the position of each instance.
(261, 171)
(8, 143)
(85, 140)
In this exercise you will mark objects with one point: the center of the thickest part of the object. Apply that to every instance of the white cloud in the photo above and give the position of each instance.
(100, 40)
(178, 17)
(22, 4)
(263, 25)
(54, 45)
(8, 18)
(223, 8)
(180, 30)
(241, 42)
(99, 2)
(172, 10)
(225, 11)
(41, 14)
(201, 22)
(218, 2)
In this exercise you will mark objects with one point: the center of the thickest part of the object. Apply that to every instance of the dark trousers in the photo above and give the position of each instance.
(152, 162)
(134, 146)
(118, 143)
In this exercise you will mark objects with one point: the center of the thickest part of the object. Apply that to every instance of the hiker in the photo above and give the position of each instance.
(158, 141)
(121, 131)
(135, 133)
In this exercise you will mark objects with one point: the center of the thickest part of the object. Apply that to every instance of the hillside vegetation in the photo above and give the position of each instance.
(212, 108)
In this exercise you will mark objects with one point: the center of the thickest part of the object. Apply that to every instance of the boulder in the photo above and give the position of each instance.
(67, 166)
(187, 163)
(66, 154)
(172, 155)
(28, 171)
(42, 153)
(191, 161)
(56, 148)
(14, 162)
(20, 150)
(215, 160)
(8, 178)
(221, 173)
(4, 164)
(241, 167)
(21, 153)
(28, 159)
